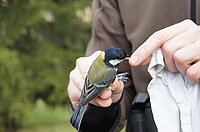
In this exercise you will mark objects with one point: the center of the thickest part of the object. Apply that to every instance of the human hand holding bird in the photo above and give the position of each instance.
(101, 75)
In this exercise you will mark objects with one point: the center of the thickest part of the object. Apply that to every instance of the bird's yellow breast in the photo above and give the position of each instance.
(99, 70)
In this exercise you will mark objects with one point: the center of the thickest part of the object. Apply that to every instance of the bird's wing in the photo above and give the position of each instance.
(92, 90)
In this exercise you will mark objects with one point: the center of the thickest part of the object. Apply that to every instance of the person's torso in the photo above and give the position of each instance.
(141, 18)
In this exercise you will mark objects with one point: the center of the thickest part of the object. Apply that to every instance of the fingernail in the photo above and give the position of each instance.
(133, 59)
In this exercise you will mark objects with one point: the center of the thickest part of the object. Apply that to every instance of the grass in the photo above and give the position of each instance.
(42, 118)
(55, 127)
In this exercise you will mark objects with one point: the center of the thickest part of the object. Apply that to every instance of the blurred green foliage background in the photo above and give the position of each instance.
(39, 43)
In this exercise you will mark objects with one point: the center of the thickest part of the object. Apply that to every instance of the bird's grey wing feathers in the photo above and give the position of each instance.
(92, 90)
(77, 116)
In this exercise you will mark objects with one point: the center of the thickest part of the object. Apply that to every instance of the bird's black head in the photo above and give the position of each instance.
(113, 56)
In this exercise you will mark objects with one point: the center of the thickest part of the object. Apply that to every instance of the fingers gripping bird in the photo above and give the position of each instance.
(100, 76)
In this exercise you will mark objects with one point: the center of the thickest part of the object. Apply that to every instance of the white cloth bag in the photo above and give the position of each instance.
(175, 102)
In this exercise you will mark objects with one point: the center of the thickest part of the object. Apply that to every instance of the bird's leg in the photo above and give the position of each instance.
(120, 76)
(110, 87)
(123, 76)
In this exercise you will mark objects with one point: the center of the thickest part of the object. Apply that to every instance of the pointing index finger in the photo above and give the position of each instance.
(156, 40)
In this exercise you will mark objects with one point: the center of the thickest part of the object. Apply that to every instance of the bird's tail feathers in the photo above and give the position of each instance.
(78, 116)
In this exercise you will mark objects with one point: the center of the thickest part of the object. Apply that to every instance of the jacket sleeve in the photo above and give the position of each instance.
(99, 119)
(108, 31)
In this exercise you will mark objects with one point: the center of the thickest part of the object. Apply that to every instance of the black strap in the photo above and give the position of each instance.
(193, 10)
(117, 3)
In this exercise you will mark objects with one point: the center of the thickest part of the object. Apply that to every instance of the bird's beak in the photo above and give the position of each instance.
(127, 57)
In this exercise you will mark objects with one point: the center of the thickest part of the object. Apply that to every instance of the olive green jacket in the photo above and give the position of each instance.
(127, 24)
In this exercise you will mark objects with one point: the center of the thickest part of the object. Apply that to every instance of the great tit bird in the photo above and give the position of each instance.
(100, 76)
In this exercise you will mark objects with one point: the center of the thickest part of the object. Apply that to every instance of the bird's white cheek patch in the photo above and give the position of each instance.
(115, 62)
